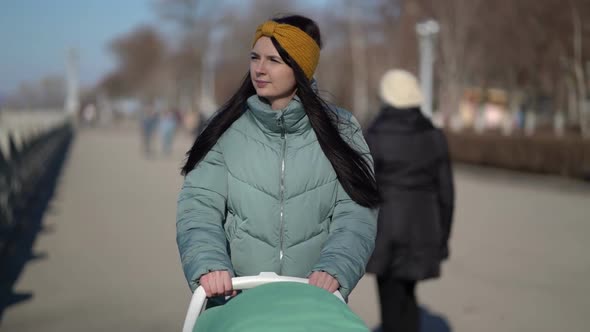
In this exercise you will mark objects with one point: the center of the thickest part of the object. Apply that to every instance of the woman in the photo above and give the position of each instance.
(414, 174)
(279, 181)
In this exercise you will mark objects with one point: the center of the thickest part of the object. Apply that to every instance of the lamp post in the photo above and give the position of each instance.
(427, 33)
(72, 102)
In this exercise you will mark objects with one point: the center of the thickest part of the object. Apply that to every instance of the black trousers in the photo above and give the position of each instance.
(399, 308)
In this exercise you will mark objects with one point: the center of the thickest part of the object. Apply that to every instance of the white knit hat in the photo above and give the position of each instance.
(400, 89)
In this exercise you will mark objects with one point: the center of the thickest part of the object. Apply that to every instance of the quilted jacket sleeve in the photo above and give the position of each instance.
(352, 231)
(199, 220)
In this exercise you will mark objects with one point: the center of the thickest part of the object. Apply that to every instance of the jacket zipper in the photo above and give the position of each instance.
(282, 189)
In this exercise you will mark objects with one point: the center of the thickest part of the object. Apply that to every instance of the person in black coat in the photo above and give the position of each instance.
(414, 174)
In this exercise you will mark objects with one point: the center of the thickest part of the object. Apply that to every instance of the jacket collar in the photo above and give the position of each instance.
(292, 117)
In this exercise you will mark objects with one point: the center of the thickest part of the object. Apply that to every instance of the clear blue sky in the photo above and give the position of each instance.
(35, 36)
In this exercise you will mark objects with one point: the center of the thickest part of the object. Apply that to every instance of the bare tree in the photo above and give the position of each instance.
(190, 19)
(481, 44)
(48, 92)
(458, 20)
(140, 55)
(530, 48)
(578, 69)
(358, 51)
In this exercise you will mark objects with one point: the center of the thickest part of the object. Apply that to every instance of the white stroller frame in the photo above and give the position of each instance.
(199, 298)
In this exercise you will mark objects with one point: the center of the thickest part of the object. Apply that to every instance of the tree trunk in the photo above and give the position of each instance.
(572, 100)
(360, 78)
(579, 74)
(450, 93)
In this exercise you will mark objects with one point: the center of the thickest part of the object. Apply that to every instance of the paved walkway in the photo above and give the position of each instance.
(109, 260)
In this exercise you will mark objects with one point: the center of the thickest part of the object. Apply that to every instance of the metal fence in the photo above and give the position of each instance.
(31, 145)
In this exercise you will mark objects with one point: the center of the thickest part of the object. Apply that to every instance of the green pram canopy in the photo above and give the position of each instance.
(281, 307)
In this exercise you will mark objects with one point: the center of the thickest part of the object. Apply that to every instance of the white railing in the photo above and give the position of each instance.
(24, 125)
(199, 299)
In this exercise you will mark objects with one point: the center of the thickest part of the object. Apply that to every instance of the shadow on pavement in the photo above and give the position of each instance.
(429, 322)
(19, 250)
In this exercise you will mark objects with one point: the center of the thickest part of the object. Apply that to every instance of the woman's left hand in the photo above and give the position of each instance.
(324, 280)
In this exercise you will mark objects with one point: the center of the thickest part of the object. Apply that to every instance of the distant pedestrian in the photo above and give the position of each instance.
(413, 172)
(149, 123)
(167, 128)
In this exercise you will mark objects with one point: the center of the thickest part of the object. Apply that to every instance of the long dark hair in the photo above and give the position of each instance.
(353, 170)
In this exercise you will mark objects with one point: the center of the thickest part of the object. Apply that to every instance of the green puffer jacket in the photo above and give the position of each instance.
(266, 199)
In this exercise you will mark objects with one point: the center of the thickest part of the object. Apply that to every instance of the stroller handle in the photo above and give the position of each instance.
(199, 298)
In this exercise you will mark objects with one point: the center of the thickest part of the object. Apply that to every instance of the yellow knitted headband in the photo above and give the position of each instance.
(300, 46)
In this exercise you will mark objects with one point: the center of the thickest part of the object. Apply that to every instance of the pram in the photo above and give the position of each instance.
(273, 303)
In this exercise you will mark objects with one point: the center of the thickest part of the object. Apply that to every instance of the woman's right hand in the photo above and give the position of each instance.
(217, 283)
